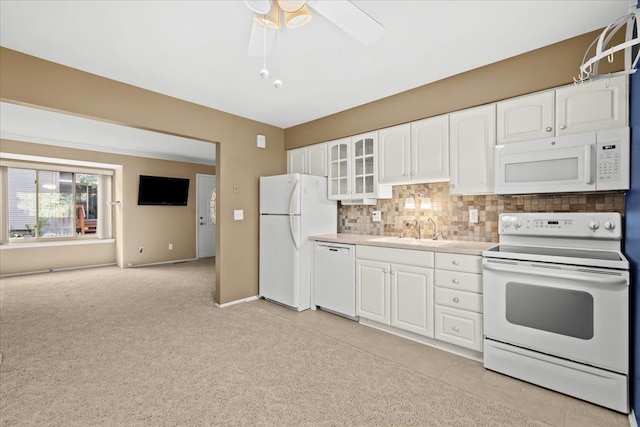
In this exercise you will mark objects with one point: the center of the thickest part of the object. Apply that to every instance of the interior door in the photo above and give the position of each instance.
(205, 215)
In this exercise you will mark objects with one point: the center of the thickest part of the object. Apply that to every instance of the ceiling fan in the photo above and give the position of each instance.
(342, 13)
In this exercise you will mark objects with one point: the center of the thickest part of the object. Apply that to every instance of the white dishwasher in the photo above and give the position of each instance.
(334, 278)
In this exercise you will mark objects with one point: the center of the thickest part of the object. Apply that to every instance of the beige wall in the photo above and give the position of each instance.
(550, 66)
(31, 81)
(152, 227)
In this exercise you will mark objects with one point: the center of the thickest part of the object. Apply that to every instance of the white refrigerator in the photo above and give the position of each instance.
(292, 208)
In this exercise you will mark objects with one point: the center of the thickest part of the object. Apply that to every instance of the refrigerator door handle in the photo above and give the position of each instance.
(293, 236)
(291, 198)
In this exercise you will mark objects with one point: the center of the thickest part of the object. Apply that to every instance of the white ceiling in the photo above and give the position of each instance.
(196, 50)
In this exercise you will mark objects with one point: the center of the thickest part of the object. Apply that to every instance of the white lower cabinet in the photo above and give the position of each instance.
(401, 289)
(393, 293)
(412, 299)
(460, 327)
(458, 299)
(372, 290)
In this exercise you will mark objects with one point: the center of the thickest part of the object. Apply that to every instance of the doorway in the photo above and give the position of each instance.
(205, 216)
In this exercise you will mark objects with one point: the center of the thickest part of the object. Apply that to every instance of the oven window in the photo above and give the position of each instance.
(561, 311)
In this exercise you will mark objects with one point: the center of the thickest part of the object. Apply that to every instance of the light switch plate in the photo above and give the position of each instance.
(473, 216)
(238, 214)
(377, 216)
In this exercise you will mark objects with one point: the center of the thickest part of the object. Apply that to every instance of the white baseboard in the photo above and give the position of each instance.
(175, 261)
(51, 270)
(632, 419)
(227, 304)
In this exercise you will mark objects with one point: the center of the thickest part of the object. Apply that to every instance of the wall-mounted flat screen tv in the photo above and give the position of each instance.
(163, 191)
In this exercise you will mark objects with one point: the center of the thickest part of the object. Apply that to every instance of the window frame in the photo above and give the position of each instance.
(104, 229)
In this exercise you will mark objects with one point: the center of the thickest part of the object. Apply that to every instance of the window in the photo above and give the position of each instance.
(57, 204)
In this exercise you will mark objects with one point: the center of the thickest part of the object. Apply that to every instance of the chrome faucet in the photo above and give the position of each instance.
(416, 225)
(435, 228)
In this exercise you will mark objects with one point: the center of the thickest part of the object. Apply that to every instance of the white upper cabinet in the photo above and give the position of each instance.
(414, 152)
(339, 163)
(363, 166)
(526, 117)
(595, 105)
(353, 170)
(394, 154)
(472, 146)
(311, 160)
(430, 149)
(297, 160)
(317, 159)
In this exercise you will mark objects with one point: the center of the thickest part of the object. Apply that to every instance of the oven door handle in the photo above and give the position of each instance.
(558, 273)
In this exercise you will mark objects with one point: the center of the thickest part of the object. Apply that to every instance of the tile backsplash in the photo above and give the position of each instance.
(451, 212)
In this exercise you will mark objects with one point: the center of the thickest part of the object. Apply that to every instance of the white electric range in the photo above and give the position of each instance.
(556, 304)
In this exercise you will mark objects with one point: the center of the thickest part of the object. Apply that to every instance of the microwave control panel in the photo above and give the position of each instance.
(608, 162)
(612, 159)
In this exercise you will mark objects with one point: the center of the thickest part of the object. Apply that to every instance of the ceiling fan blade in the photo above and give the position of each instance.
(350, 19)
(260, 40)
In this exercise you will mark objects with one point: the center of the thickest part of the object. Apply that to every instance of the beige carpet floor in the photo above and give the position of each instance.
(147, 347)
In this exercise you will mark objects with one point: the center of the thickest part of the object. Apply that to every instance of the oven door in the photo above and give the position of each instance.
(576, 313)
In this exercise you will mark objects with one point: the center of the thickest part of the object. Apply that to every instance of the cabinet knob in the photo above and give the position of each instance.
(455, 262)
(453, 186)
(384, 270)
(413, 173)
(405, 174)
(456, 281)
(549, 129)
(455, 328)
(563, 126)
(393, 272)
(456, 299)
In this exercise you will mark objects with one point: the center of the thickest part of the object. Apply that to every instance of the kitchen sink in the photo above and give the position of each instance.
(411, 241)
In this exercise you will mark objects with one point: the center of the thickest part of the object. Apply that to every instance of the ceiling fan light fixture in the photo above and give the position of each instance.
(271, 19)
(291, 5)
(261, 7)
(298, 18)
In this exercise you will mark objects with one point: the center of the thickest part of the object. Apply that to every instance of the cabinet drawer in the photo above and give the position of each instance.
(459, 299)
(459, 327)
(393, 255)
(458, 262)
(471, 282)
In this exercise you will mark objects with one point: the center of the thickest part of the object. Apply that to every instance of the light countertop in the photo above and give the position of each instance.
(450, 246)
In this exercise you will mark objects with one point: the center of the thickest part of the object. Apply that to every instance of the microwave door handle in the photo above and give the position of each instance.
(588, 168)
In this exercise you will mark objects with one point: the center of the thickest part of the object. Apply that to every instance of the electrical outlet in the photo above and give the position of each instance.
(473, 216)
(377, 216)
(238, 215)
(170, 246)
(236, 189)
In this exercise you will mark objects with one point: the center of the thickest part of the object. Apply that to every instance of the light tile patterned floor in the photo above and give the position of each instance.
(553, 408)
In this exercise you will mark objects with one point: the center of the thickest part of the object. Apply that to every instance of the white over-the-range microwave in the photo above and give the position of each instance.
(590, 161)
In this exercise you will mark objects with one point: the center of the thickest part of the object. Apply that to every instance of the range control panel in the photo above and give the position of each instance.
(605, 225)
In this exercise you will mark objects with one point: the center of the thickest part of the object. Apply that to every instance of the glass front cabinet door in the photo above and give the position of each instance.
(339, 168)
(363, 163)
